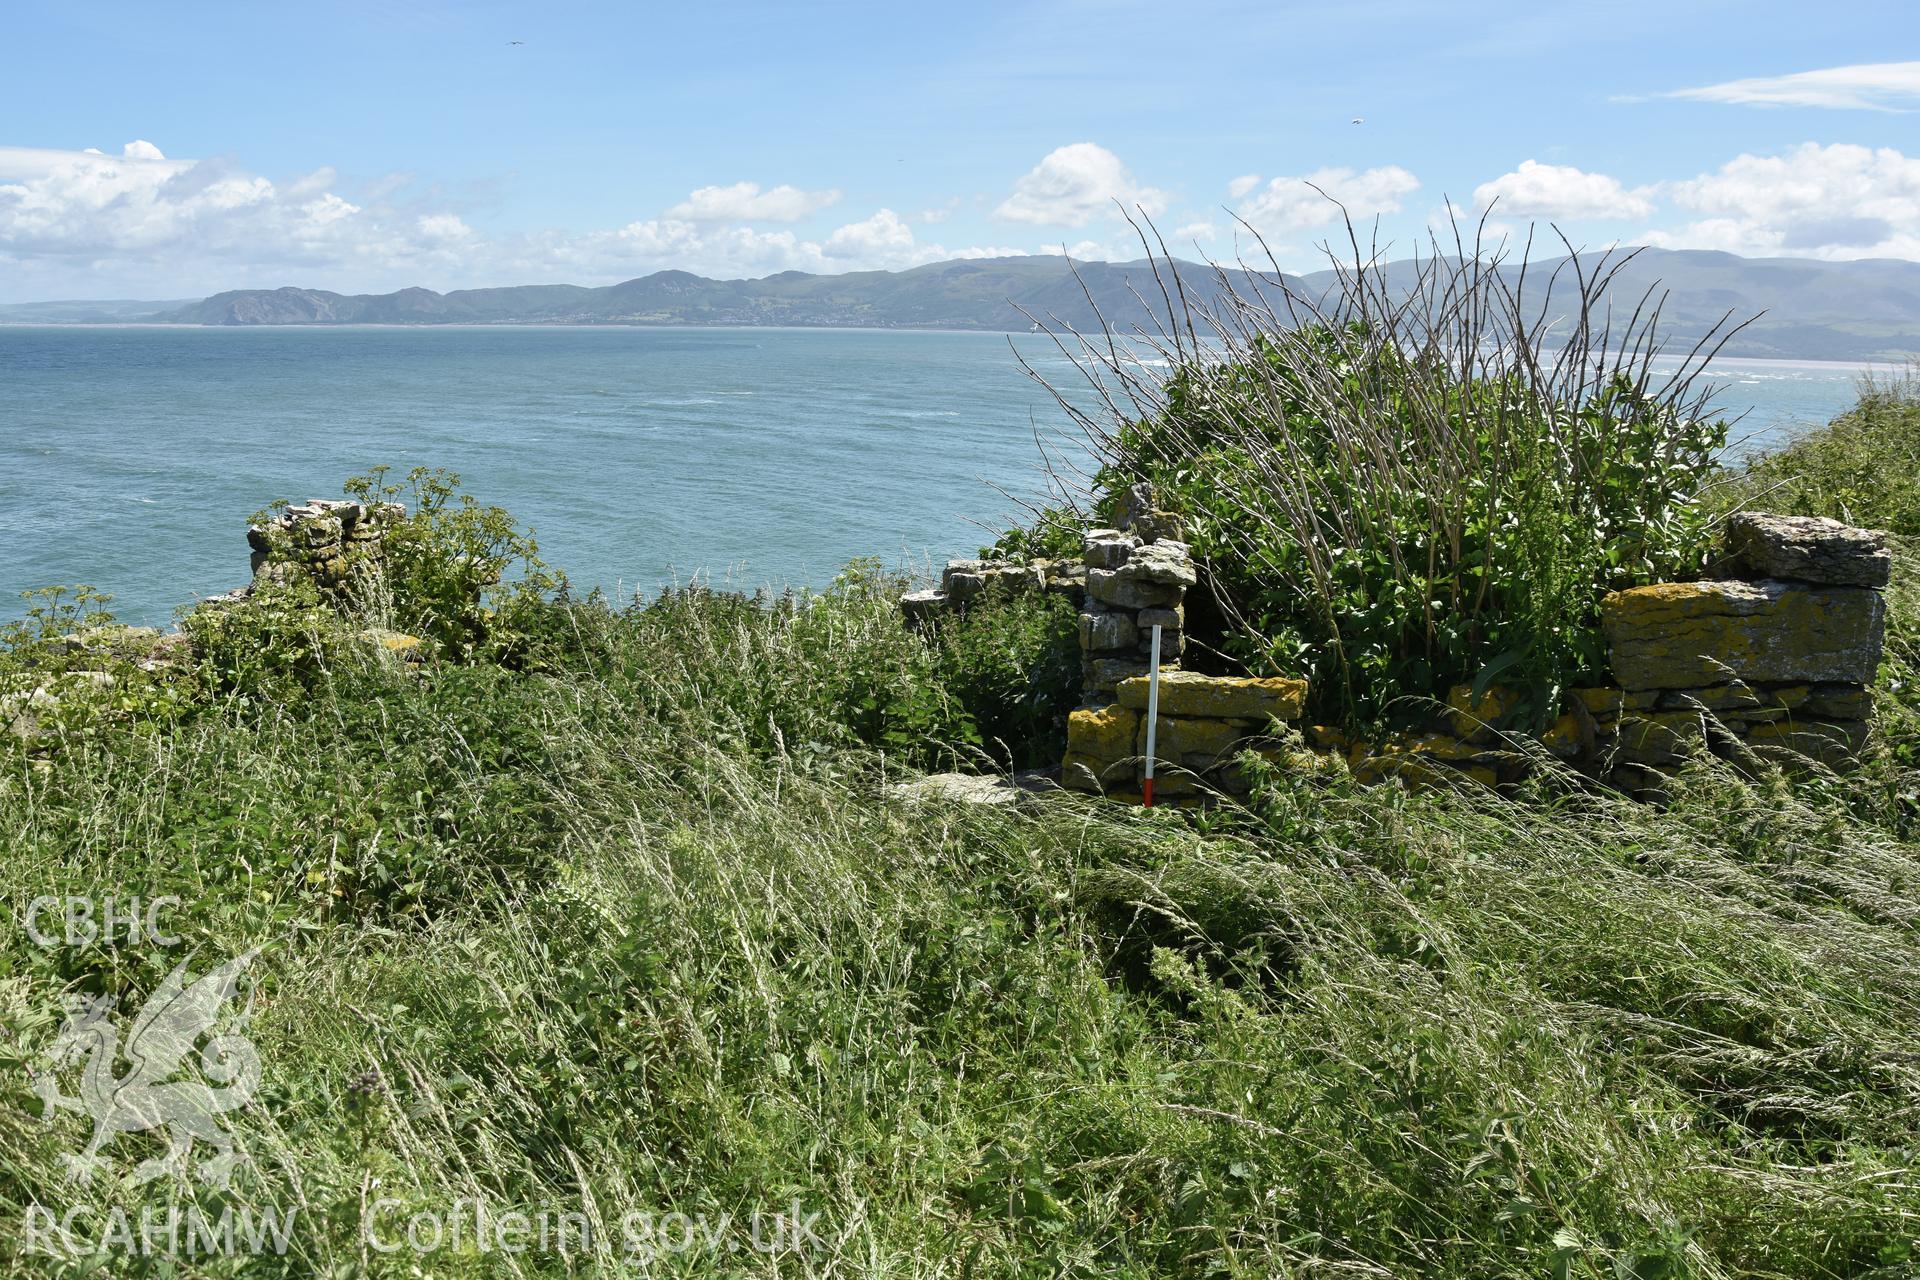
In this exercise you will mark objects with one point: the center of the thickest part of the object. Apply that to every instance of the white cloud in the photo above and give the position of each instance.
(883, 235)
(1238, 188)
(746, 202)
(1838, 201)
(1291, 203)
(136, 224)
(1871, 86)
(87, 205)
(1074, 184)
(1095, 251)
(1202, 230)
(1561, 191)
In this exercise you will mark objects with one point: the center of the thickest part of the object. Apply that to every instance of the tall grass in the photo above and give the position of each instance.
(638, 925)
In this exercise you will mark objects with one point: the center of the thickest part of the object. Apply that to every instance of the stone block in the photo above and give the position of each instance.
(1167, 563)
(1107, 732)
(1157, 526)
(1182, 738)
(1065, 579)
(1838, 702)
(1477, 717)
(1601, 701)
(1109, 552)
(1563, 736)
(1659, 737)
(1807, 549)
(1113, 587)
(1105, 675)
(1133, 502)
(1188, 693)
(1836, 745)
(1105, 630)
(1174, 619)
(1172, 645)
(919, 606)
(1690, 635)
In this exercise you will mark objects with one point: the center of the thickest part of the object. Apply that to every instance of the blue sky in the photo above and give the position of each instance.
(369, 146)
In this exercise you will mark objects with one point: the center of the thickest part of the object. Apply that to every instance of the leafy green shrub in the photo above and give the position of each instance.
(270, 645)
(68, 670)
(459, 573)
(1412, 482)
(1012, 663)
(1480, 549)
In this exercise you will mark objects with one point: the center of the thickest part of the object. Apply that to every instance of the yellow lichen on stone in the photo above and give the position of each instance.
(1178, 738)
(1562, 737)
(1190, 694)
(1477, 717)
(1603, 701)
(1692, 635)
(1105, 732)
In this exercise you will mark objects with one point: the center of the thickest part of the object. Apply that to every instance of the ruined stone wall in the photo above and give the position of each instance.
(322, 540)
(964, 581)
(1773, 658)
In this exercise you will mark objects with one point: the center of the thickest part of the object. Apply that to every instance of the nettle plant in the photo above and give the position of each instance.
(1413, 481)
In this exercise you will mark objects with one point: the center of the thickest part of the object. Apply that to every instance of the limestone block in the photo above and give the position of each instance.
(1174, 619)
(1838, 702)
(918, 606)
(1808, 549)
(1188, 693)
(1105, 630)
(1660, 737)
(1184, 738)
(1067, 579)
(1735, 695)
(1134, 501)
(1601, 701)
(1112, 586)
(964, 579)
(1104, 675)
(1167, 563)
(1833, 744)
(1473, 716)
(1107, 732)
(1172, 645)
(1157, 526)
(1562, 737)
(1686, 635)
(1108, 553)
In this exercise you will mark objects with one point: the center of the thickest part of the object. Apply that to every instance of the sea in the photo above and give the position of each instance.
(132, 457)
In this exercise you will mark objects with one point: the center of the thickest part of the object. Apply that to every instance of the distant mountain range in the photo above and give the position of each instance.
(1863, 310)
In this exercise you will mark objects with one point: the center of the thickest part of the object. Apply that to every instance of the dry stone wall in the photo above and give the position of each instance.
(1774, 658)
(963, 581)
(1138, 575)
(322, 540)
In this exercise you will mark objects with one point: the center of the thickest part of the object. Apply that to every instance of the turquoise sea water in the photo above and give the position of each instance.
(130, 458)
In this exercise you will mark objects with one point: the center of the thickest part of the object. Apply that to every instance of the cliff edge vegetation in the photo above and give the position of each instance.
(605, 908)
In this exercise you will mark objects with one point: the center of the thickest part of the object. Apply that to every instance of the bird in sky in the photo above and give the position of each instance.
(523, 42)
(1356, 119)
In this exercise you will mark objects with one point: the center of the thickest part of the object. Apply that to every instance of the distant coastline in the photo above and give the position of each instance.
(1863, 311)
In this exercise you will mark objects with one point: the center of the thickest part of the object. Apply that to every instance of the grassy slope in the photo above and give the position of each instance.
(647, 932)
